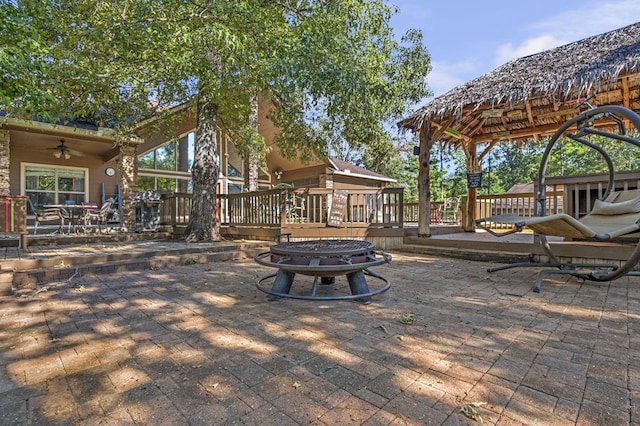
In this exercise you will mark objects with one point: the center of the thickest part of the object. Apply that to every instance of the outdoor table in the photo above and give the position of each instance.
(75, 213)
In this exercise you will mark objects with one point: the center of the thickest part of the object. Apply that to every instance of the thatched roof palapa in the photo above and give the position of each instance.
(532, 96)
(529, 97)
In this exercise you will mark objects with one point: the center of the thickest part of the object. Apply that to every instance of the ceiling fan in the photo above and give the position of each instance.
(62, 151)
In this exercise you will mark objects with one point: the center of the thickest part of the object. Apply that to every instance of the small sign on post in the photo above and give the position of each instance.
(337, 208)
(474, 179)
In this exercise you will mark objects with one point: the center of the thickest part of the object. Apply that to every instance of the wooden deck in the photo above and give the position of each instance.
(518, 247)
(377, 215)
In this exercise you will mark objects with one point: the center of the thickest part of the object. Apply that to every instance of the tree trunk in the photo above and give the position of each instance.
(424, 182)
(203, 225)
(251, 170)
(251, 173)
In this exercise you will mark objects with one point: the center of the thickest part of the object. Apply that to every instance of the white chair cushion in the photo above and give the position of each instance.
(611, 209)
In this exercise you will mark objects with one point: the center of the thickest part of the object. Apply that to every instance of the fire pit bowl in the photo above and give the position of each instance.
(324, 259)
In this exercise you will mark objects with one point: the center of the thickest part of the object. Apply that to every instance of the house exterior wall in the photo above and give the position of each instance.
(96, 170)
(35, 142)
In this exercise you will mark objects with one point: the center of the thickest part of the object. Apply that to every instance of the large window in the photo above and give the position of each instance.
(54, 185)
(176, 156)
(167, 168)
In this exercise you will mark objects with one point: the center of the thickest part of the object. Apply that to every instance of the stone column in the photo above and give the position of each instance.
(5, 182)
(128, 186)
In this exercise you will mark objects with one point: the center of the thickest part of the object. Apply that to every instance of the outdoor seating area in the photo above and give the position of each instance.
(450, 211)
(83, 217)
(91, 215)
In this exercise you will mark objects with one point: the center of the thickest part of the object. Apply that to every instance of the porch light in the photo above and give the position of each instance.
(61, 153)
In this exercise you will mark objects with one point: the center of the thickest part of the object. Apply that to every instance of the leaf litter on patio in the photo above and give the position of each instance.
(469, 410)
(407, 318)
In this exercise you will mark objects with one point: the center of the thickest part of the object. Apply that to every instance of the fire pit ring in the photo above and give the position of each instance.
(323, 259)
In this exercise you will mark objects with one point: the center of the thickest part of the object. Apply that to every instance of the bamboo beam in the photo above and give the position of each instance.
(529, 113)
(441, 129)
(558, 113)
(445, 128)
(625, 98)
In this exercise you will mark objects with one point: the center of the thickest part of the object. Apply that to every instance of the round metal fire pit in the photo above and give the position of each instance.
(325, 259)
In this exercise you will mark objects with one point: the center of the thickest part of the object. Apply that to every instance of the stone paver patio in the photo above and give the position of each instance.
(200, 345)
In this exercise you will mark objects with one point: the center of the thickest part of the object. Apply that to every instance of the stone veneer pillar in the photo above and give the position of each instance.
(5, 182)
(128, 186)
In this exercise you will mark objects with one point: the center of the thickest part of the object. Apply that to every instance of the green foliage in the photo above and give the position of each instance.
(24, 51)
(512, 164)
(407, 177)
(334, 71)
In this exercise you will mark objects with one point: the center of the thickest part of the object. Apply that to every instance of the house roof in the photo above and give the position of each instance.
(522, 188)
(342, 167)
(59, 121)
(532, 96)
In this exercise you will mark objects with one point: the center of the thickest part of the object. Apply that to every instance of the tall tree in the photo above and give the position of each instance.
(330, 69)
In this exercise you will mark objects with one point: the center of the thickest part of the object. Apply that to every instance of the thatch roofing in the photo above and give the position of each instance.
(531, 96)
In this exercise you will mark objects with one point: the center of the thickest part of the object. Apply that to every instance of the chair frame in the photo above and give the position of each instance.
(450, 211)
(99, 215)
(585, 124)
(46, 215)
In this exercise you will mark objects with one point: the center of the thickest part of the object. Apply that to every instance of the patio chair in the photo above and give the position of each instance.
(46, 215)
(613, 218)
(450, 211)
(100, 216)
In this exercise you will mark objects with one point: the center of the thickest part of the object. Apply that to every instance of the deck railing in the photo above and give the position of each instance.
(310, 206)
(260, 208)
(287, 206)
(411, 213)
(384, 208)
(521, 204)
(580, 192)
(175, 209)
(275, 208)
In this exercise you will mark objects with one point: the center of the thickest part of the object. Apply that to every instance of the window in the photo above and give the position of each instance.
(164, 184)
(176, 156)
(168, 167)
(54, 185)
(235, 188)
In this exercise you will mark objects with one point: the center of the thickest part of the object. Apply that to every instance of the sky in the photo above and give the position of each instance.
(468, 38)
